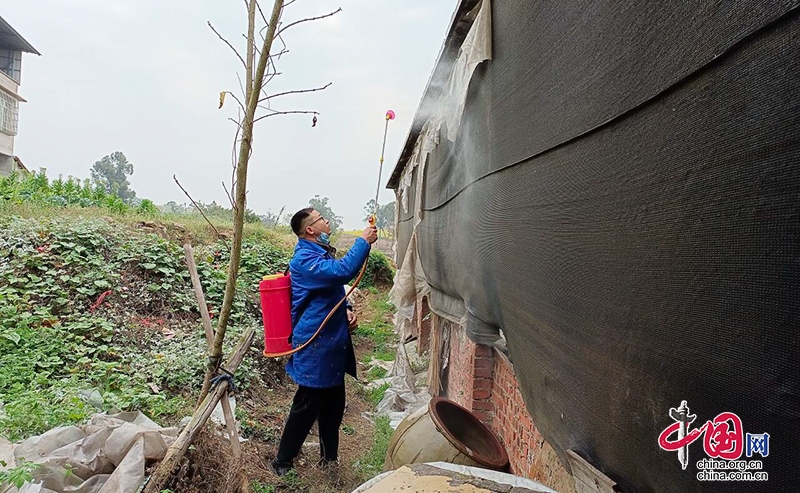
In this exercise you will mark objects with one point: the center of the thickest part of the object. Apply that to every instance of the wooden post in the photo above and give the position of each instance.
(230, 420)
(435, 362)
(177, 450)
(198, 293)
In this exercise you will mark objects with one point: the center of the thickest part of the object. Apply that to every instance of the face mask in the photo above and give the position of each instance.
(324, 238)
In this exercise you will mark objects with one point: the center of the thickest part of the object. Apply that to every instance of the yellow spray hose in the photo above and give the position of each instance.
(389, 116)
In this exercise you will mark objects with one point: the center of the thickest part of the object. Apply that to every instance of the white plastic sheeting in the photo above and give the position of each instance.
(402, 397)
(410, 283)
(106, 455)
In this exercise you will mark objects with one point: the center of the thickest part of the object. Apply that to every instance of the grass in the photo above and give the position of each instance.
(175, 224)
(377, 330)
(253, 428)
(259, 487)
(381, 335)
(376, 372)
(376, 394)
(371, 464)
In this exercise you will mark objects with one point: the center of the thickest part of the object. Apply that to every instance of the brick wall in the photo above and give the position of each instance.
(470, 376)
(460, 363)
(511, 422)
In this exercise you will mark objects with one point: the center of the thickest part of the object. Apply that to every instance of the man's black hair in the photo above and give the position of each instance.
(298, 218)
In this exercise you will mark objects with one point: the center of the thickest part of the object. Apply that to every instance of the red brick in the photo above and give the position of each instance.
(483, 405)
(482, 384)
(484, 416)
(484, 362)
(481, 394)
(481, 350)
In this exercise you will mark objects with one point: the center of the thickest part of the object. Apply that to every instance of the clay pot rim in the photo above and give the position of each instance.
(500, 451)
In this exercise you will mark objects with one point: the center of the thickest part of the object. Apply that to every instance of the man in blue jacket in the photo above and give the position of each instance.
(317, 286)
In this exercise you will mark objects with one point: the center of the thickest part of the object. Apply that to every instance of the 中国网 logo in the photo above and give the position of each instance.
(724, 442)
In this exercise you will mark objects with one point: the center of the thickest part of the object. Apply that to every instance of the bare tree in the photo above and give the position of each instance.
(255, 103)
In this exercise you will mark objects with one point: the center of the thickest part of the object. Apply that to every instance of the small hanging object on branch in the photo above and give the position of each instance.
(221, 99)
(314, 121)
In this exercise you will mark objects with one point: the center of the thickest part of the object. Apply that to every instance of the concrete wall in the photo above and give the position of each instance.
(7, 141)
(8, 84)
(7, 164)
(6, 144)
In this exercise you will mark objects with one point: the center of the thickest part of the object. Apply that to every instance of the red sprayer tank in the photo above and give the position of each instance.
(276, 310)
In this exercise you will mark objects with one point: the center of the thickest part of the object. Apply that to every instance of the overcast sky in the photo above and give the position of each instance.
(143, 77)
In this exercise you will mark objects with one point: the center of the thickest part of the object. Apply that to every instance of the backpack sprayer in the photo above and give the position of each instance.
(276, 292)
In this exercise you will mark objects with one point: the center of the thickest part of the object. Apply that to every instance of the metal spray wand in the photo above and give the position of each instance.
(389, 116)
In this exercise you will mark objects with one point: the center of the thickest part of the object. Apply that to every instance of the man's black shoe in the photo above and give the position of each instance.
(280, 469)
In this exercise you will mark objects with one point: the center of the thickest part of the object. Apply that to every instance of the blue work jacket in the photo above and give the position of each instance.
(317, 286)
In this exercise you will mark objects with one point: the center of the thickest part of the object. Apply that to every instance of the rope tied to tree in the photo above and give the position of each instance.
(226, 376)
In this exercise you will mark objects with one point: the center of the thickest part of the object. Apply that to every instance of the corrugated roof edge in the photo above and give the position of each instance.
(459, 27)
(24, 45)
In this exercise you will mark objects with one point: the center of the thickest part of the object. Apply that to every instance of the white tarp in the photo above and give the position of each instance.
(106, 455)
(402, 397)
(410, 283)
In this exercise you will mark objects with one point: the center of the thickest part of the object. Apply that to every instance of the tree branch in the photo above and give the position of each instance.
(288, 3)
(295, 112)
(227, 43)
(264, 17)
(308, 19)
(280, 38)
(258, 52)
(230, 199)
(241, 86)
(278, 55)
(296, 92)
(272, 76)
(237, 99)
(197, 206)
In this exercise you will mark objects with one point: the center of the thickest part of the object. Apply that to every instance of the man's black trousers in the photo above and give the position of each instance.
(326, 406)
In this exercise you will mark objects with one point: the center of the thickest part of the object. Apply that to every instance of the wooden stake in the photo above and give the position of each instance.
(198, 293)
(435, 362)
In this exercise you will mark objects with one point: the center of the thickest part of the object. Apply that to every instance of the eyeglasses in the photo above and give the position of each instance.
(315, 221)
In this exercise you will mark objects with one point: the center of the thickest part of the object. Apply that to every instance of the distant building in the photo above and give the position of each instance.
(12, 45)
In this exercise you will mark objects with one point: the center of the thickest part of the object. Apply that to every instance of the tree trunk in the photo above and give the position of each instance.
(240, 198)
